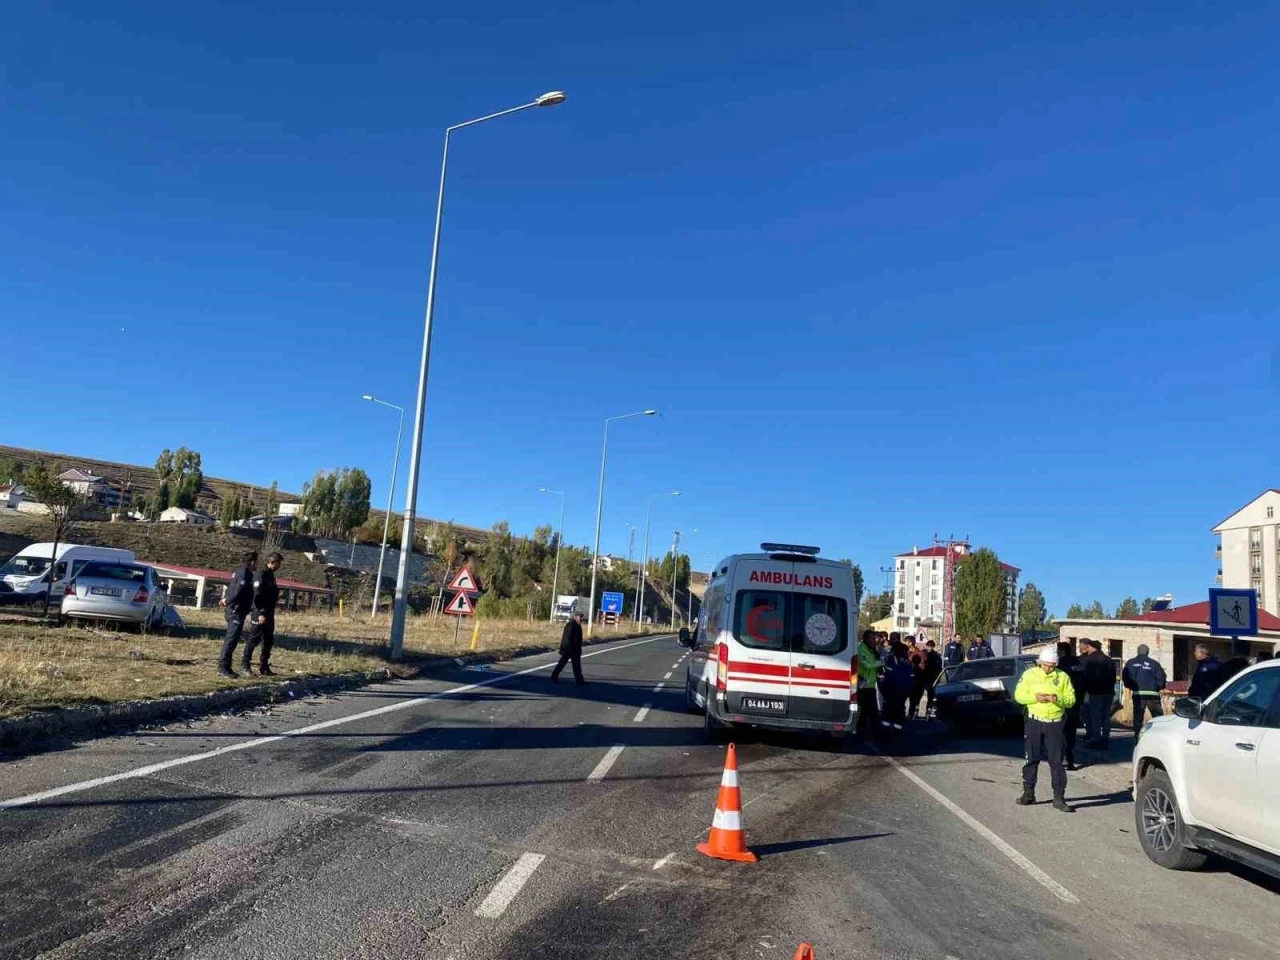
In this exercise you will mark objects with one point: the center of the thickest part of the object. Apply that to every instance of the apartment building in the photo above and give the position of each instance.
(1249, 550)
(918, 590)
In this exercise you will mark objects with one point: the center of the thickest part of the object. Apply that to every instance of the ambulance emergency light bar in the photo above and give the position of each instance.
(790, 548)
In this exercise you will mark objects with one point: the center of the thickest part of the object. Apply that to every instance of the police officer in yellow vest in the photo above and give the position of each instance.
(1047, 694)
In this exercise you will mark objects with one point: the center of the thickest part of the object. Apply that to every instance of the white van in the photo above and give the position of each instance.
(25, 579)
(776, 644)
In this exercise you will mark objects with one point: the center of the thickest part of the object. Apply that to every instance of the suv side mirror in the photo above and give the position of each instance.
(1188, 708)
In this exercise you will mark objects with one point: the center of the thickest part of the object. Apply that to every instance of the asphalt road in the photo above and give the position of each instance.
(517, 819)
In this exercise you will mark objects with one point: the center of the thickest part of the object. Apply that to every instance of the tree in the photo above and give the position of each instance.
(1031, 608)
(10, 470)
(875, 606)
(63, 504)
(336, 503)
(1128, 609)
(859, 582)
(1148, 604)
(979, 593)
(161, 502)
(273, 501)
(1095, 611)
(181, 470)
(227, 515)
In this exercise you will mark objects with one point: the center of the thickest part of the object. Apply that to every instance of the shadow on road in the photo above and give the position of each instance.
(772, 849)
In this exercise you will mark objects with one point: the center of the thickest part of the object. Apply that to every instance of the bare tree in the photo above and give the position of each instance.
(64, 505)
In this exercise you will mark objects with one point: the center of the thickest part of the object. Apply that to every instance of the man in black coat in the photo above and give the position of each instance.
(571, 650)
(932, 670)
(953, 653)
(262, 618)
(1239, 660)
(1144, 678)
(1100, 684)
(1205, 679)
(238, 601)
(1070, 664)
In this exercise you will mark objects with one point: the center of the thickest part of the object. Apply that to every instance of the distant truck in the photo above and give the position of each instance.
(567, 605)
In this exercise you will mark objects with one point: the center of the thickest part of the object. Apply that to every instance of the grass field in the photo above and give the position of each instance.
(43, 666)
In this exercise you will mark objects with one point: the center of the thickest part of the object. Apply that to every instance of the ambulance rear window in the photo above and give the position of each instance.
(795, 622)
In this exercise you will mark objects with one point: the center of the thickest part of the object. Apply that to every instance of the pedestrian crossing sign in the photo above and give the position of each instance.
(1233, 613)
(461, 605)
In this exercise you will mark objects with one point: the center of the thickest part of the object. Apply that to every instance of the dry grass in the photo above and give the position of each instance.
(43, 666)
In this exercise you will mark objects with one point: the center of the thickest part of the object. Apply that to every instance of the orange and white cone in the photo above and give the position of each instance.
(727, 840)
(804, 952)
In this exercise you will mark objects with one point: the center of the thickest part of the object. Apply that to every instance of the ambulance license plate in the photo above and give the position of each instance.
(762, 705)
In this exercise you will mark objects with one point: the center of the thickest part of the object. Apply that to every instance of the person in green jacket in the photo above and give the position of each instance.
(869, 667)
(1047, 694)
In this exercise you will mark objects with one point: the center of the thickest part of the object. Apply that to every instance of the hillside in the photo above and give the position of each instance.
(143, 481)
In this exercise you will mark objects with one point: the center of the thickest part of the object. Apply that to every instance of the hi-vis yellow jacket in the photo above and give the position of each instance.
(1035, 681)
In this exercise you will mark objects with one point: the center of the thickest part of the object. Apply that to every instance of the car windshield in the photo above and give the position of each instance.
(985, 670)
(25, 567)
(101, 570)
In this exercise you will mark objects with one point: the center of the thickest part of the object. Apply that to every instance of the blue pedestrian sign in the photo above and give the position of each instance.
(611, 603)
(1233, 613)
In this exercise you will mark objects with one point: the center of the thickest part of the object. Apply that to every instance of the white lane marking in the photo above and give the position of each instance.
(658, 688)
(1042, 878)
(500, 897)
(644, 712)
(668, 676)
(664, 861)
(596, 775)
(263, 741)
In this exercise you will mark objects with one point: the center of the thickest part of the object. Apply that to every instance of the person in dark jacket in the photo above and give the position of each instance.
(571, 651)
(1205, 680)
(238, 601)
(932, 670)
(1144, 678)
(1239, 661)
(895, 686)
(262, 618)
(1070, 664)
(916, 655)
(953, 652)
(1100, 685)
(980, 649)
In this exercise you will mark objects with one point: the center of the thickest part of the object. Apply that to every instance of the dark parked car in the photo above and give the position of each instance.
(981, 691)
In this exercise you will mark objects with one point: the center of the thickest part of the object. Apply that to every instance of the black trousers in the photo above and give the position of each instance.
(895, 706)
(1097, 717)
(1141, 704)
(260, 633)
(1045, 741)
(929, 695)
(917, 694)
(868, 727)
(575, 657)
(1070, 729)
(235, 630)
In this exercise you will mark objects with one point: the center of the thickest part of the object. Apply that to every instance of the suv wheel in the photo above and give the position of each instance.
(1160, 827)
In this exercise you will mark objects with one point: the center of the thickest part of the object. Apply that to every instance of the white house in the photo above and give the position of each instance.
(11, 495)
(97, 489)
(183, 515)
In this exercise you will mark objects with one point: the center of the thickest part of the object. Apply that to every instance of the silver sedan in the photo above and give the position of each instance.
(121, 592)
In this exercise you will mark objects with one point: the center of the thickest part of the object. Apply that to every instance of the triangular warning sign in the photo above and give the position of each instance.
(464, 581)
(460, 605)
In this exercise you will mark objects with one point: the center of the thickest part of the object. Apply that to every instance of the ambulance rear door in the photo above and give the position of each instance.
(759, 677)
(820, 647)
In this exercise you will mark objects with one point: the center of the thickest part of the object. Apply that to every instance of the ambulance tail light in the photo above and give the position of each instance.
(853, 680)
(722, 667)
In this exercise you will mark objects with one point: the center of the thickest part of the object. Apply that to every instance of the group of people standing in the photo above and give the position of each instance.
(899, 671)
(250, 601)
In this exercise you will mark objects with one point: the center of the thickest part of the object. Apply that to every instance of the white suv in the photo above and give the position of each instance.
(1205, 779)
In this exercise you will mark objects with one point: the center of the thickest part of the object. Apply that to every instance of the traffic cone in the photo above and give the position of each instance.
(727, 841)
(804, 952)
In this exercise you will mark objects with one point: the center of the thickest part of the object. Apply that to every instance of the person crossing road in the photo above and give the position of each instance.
(571, 651)
(1047, 694)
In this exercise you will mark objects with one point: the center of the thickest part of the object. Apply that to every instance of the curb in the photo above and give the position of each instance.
(19, 735)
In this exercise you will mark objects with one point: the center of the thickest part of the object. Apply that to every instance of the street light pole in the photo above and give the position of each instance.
(555, 577)
(644, 564)
(420, 409)
(391, 496)
(595, 553)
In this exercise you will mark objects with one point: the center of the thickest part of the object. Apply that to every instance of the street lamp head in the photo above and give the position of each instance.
(366, 397)
(651, 413)
(675, 493)
(551, 98)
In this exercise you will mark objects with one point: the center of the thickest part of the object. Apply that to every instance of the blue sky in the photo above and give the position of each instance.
(786, 227)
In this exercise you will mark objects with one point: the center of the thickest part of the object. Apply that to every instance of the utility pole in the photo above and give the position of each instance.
(675, 567)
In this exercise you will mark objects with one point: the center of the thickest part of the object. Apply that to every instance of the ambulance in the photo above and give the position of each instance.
(776, 644)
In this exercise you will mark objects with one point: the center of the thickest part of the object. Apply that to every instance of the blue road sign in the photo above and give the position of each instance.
(1233, 613)
(610, 603)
